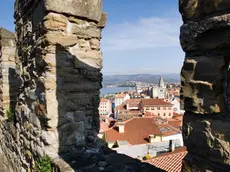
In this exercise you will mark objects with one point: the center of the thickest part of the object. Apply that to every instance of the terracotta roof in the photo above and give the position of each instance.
(103, 126)
(176, 114)
(120, 107)
(155, 102)
(170, 162)
(104, 100)
(138, 129)
(175, 123)
(133, 102)
(106, 117)
(120, 95)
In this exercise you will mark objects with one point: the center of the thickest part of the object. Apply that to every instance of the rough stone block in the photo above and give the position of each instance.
(213, 142)
(71, 133)
(103, 20)
(206, 35)
(195, 10)
(61, 38)
(90, 9)
(86, 59)
(85, 31)
(56, 22)
(203, 84)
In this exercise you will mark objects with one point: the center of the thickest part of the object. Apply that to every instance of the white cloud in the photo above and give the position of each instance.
(144, 33)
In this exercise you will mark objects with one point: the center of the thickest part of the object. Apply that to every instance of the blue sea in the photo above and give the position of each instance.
(112, 90)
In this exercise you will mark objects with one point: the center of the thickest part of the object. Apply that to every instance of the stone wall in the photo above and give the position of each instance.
(51, 85)
(9, 82)
(205, 40)
(8, 95)
(60, 61)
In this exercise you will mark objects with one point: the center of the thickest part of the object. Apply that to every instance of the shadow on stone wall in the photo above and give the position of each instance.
(14, 85)
(78, 86)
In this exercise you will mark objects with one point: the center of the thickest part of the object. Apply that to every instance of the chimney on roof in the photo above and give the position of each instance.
(107, 120)
(171, 146)
(121, 127)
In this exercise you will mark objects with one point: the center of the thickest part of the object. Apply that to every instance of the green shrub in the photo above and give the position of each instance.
(10, 114)
(43, 164)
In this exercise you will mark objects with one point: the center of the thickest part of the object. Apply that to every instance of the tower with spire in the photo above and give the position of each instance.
(161, 83)
(159, 90)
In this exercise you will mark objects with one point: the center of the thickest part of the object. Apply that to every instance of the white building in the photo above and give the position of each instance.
(176, 106)
(159, 90)
(105, 107)
(120, 98)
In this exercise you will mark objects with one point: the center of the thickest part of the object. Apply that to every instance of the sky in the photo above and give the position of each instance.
(140, 37)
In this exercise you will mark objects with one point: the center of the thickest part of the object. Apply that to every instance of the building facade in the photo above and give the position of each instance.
(105, 107)
(157, 107)
(159, 91)
(120, 98)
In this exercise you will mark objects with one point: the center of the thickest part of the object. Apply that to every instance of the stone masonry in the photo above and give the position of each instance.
(9, 88)
(204, 78)
(59, 48)
(54, 105)
(9, 80)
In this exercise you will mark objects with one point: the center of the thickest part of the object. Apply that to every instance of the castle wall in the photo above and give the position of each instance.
(205, 39)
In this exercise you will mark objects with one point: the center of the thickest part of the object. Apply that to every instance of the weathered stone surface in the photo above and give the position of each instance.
(205, 40)
(199, 9)
(10, 82)
(206, 35)
(202, 84)
(56, 22)
(90, 9)
(61, 38)
(213, 142)
(103, 20)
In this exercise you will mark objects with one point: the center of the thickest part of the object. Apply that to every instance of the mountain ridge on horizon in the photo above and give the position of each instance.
(159, 74)
(148, 78)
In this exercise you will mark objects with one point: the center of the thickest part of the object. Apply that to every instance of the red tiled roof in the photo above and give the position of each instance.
(175, 123)
(103, 126)
(120, 107)
(176, 114)
(106, 117)
(133, 102)
(120, 95)
(155, 102)
(137, 131)
(170, 162)
(105, 100)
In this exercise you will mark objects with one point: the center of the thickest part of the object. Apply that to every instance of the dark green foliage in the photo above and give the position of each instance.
(10, 114)
(43, 164)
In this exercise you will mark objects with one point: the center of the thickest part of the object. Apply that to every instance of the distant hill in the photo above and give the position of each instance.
(148, 78)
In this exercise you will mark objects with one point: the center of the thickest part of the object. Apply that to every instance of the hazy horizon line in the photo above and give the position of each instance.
(143, 74)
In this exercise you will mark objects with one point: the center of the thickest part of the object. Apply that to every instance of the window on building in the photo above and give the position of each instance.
(164, 108)
(169, 108)
(152, 108)
(159, 108)
(169, 114)
(158, 114)
(147, 108)
(164, 114)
